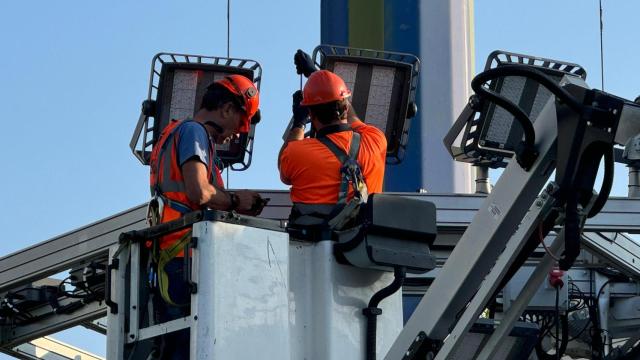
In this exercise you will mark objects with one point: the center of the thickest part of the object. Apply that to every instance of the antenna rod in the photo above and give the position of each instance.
(228, 25)
(601, 50)
(228, 55)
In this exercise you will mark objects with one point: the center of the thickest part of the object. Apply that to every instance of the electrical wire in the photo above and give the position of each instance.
(515, 110)
(228, 27)
(596, 331)
(548, 251)
(546, 324)
(526, 153)
(600, 291)
(533, 74)
(582, 301)
(607, 184)
(557, 321)
(477, 84)
(601, 50)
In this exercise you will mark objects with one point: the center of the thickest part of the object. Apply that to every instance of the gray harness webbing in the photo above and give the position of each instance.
(349, 167)
(350, 173)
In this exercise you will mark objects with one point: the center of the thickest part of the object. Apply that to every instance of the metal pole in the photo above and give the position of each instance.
(601, 50)
(483, 185)
(634, 181)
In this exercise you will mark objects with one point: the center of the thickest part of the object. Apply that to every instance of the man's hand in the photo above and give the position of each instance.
(247, 201)
(300, 113)
(304, 63)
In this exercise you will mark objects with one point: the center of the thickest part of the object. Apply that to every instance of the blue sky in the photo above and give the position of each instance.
(75, 73)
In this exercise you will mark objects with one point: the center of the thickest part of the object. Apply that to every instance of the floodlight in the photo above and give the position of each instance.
(384, 88)
(485, 133)
(176, 86)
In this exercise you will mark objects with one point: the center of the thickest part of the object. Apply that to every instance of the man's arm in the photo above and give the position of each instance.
(199, 190)
(296, 134)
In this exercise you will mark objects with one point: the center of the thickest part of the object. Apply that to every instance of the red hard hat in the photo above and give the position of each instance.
(247, 91)
(322, 87)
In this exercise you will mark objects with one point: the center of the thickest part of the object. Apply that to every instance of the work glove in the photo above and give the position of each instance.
(300, 113)
(304, 63)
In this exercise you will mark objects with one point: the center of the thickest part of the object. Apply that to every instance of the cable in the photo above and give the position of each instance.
(607, 183)
(515, 110)
(228, 27)
(557, 322)
(561, 339)
(572, 232)
(600, 291)
(372, 311)
(528, 72)
(596, 331)
(601, 49)
(541, 235)
(581, 297)
(525, 152)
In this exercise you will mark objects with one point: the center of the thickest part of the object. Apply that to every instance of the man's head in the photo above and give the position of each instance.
(326, 96)
(231, 105)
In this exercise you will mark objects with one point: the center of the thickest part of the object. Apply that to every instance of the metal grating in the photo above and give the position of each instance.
(149, 127)
(384, 85)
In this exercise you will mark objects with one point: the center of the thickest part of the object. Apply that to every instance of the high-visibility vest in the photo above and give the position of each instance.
(167, 182)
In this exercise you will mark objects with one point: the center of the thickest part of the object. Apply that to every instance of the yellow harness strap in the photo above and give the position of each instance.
(163, 258)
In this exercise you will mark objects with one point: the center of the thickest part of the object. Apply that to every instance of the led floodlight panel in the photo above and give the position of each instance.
(383, 85)
(500, 131)
(485, 134)
(177, 85)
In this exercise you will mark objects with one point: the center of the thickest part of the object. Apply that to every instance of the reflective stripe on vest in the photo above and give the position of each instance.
(166, 178)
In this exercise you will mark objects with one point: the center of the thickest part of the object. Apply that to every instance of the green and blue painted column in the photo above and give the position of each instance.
(440, 33)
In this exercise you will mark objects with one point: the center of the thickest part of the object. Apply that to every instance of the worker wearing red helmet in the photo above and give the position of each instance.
(185, 178)
(312, 166)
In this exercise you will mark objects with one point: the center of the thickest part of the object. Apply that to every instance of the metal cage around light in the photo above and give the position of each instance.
(384, 86)
(176, 85)
(486, 134)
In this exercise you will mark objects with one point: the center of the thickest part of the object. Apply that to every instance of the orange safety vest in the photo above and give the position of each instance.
(166, 179)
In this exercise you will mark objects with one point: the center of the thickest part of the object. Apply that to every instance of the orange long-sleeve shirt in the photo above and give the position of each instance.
(313, 171)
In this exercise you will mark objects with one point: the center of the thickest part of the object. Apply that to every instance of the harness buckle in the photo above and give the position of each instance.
(155, 208)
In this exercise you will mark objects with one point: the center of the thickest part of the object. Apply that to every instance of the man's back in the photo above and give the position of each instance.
(313, 171)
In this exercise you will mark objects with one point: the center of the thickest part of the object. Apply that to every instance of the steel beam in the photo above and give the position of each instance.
(65, 251)
(99, 326)
(49, 349)
(455, 213)
(615, 248)
(50, 323)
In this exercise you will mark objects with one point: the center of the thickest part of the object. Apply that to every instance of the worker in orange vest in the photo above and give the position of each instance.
(184, 178)
(316, 167)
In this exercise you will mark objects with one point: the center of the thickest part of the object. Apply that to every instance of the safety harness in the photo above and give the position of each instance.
(161, 257)
(342, 214)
